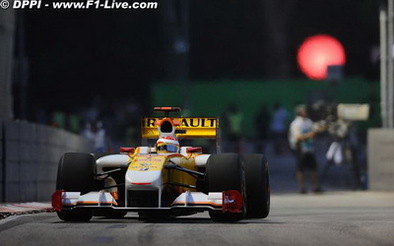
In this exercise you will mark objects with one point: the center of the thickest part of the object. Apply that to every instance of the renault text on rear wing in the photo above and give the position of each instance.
(193, 127)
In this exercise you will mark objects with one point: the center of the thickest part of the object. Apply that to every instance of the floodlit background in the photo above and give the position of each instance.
(69, 69)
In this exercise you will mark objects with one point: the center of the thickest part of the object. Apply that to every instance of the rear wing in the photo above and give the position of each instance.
(188, 127)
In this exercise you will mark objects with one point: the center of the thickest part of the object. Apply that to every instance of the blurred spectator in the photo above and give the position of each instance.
(233, 121)
(262, 121)
(58, 119)
(41, 116)
(302, 131)
(95, 133)
(131, 136)
(74, 123)
(278, 128)
(91, 114)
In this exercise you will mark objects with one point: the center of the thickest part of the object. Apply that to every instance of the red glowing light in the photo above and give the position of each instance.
(318, 52)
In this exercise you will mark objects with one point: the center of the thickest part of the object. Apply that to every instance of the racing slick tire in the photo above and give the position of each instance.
(75, 173)
(225, 172)
(257, 185)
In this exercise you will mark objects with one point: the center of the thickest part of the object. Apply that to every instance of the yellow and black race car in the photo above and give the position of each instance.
(164, 180)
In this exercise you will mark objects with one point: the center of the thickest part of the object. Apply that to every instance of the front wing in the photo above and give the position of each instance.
(219, 201)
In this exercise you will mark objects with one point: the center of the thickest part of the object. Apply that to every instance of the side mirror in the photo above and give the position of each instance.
(128, 150)
(194, 150)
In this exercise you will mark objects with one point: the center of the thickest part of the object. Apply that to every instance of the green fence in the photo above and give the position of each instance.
(210, 98)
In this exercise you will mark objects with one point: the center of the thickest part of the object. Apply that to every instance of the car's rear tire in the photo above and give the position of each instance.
(225, 172)
(76, 173)
(257, 185)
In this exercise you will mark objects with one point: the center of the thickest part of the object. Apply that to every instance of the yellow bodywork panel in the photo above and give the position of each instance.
(182, 177)
(196, 127)
(154, 162)
(146, 163)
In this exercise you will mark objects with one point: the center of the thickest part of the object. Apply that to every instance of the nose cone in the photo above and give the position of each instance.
(143, 178)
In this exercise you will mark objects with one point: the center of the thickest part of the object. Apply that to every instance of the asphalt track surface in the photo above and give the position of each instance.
(331, 218)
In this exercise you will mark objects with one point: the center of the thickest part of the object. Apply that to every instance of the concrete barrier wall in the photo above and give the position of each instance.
(7, 29)
(2, 187)
(381, 159)
(30, 159)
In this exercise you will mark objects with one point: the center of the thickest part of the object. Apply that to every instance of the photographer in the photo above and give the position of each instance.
(301, 134)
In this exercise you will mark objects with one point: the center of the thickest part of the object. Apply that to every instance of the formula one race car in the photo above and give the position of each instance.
(165, 180)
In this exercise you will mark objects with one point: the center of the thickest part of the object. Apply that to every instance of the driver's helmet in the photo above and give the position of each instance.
(167, 145)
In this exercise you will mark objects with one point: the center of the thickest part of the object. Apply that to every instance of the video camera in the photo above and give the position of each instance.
(337, 118)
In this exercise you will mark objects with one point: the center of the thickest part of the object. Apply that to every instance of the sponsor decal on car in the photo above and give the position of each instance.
(146, 163)
(194, 127)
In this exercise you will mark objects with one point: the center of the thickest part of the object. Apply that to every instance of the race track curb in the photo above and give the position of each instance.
(10, 209)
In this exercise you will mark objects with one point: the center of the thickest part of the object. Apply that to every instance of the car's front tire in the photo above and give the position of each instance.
(76, 173)
(257, 185)
(225, 172)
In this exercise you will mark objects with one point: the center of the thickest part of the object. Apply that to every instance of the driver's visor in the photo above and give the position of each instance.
(168, 148)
